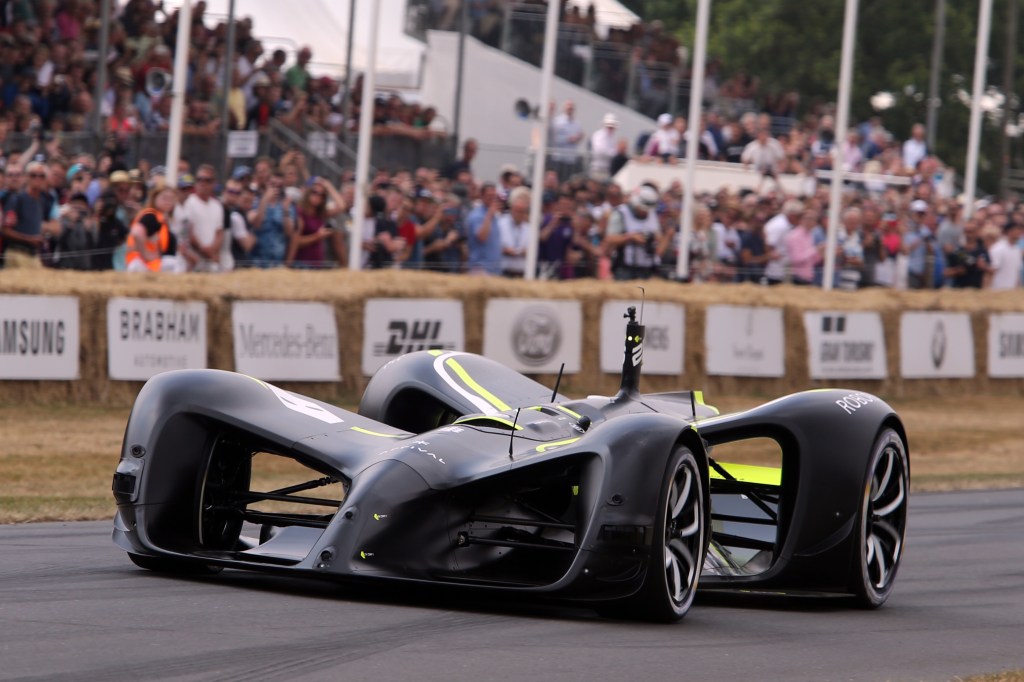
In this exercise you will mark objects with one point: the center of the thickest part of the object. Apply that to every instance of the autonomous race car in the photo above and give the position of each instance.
(459, 471)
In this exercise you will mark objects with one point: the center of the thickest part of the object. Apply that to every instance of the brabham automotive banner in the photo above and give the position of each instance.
(936, 345)
(663, 341)
(742, 341)
(534, 335)
(1006, 345)
(845, 345)
(285, 341)
(146, 336)
(395, 326)
(39, 337)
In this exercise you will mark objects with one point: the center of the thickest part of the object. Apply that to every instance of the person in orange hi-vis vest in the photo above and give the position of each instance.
(151, 244)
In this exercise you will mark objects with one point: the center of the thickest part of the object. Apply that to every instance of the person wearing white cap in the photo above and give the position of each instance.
(603, 144)
(664, 141)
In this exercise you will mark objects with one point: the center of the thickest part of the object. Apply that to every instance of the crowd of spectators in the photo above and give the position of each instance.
(94, 212)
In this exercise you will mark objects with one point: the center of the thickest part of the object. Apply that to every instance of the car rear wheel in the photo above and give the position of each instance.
(679, 546)
(882, 521)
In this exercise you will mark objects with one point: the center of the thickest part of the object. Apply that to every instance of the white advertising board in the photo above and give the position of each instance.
(742, 341)
(146, 336)
(534, 335)
(663, 342)
(845, 345)
(285, 341)
(39, 337)
(936, 345)
(1006, 345)
(395, 326)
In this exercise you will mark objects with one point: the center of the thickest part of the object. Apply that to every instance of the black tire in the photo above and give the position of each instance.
(173, 566)
(882, 521)
(679, 545)
(227, 473)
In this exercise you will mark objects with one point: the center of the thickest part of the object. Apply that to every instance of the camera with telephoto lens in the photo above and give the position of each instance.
(650, 243)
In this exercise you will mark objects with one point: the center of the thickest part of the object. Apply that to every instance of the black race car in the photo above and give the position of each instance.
(459, 471)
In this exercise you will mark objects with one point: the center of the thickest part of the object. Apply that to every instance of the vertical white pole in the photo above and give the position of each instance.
(842, 123)
(974, 135)
(700, 49)
(540, 134)
(355, 238)
(178, 82)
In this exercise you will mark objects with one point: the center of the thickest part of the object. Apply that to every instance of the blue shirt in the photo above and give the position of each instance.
(484, 255)
(271, 245)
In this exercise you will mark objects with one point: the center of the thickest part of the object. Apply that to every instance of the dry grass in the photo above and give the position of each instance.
(1005, 676)
(56, 463)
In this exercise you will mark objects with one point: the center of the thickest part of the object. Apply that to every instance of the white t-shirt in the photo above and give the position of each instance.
(204, 219)
(775, 231)
(602, 149)
(1006, 264)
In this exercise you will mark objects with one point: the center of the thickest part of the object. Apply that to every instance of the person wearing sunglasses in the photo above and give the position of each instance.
(320, 202)
(30, 220)
(204, 219)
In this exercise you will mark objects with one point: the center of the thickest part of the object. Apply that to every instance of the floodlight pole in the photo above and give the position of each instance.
(978, 89)
(700, 50)
(101, 68)
(842, 123)
(178, 82)
(938, 43)
(540, 131)
(355, 238)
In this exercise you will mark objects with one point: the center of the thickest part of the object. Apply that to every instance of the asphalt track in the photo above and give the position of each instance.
(72, 607)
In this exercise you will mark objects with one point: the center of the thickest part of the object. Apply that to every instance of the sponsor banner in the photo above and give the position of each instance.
(39, 337)
(741, 341)
(936, 345)
(395, 326)
(1006, 345)
(843, 345)
(534, 335)
(146, 336)
(285, 341)
(663, 341)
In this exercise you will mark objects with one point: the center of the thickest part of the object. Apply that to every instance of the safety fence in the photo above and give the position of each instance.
(89, 338)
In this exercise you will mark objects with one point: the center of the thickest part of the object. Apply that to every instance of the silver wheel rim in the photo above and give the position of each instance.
(885, 514)
(684, 525)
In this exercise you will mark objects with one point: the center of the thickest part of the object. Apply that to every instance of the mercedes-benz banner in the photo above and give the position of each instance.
(286, 340)
(396, 326)
(147, 336)
(39, 337)
(534, 336)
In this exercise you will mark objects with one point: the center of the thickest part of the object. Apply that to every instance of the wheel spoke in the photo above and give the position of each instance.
(893, 537)
(897, 501)
(690, 529)
(884, 483)
(684, 496)
(675, 578)
(682, 552)
(883, 572)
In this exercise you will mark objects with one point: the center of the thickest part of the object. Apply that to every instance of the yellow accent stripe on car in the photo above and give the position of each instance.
(749, 473)
(478, 418)
(480, 390)
(368, 432)
(435, 352)
(569, 412)
(557, 443)
(698, 397)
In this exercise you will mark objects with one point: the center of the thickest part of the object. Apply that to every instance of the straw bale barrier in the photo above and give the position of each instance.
(347, 292)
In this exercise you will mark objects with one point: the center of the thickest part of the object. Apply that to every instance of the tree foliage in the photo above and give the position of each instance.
(795, 45)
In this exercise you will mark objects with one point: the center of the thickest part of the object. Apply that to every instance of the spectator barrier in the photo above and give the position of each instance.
(91, 338)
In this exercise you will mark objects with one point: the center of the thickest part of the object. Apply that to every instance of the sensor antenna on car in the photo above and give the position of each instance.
(558, 382)
(512, 433)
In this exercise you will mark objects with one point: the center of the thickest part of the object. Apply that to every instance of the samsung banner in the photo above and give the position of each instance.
(936, 345)
(285, 341)
(1006, 345)
(39, 337)
(395, 326)
(744, 342)
(663, 337)
(146, 336)
(534, 335)
(845, 345)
